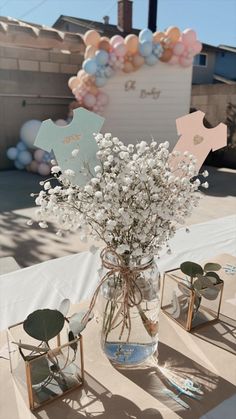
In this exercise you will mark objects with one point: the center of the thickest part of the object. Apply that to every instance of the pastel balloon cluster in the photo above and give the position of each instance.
(104, 57)
(25, 156)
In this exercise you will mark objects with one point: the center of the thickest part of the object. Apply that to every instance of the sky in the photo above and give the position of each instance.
(213, 20)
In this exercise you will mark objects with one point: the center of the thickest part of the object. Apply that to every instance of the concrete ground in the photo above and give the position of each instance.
(30, 245)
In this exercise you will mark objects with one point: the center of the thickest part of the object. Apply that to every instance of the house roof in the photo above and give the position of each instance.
(85, 24)
(227, 48)
(26, 34)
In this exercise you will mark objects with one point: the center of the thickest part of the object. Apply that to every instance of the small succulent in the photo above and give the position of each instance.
(203, 281)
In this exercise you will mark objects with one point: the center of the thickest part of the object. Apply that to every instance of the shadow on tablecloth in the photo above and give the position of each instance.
(152, 380)
(221, 333)
(94, 401)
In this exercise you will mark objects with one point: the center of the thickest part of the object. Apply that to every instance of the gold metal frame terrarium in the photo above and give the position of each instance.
(180, 301)
(44, 377)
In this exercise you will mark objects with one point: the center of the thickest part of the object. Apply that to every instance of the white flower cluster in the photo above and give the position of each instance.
(133, 203)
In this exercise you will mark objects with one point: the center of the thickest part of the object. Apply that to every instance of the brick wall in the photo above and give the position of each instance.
(33, 85)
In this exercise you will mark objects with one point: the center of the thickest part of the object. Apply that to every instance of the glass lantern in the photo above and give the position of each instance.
(183, 304)
(49, 374)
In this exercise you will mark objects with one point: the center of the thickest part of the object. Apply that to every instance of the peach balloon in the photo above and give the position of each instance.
(94, 90)
(131, 42)
(90, 51)
(81, 74)
(138, 61)
(128, 67)
(157, 37)
(73, 82)
(173, 33)
(105, 45)
(92, 37)
(166, 56)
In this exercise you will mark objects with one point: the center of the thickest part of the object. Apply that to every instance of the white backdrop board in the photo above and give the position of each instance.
(146, 103)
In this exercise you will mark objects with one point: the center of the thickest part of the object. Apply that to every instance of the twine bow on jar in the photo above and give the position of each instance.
(131, 294)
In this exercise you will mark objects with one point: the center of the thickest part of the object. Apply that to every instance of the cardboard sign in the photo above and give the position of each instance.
(197, 139)
(77, 135)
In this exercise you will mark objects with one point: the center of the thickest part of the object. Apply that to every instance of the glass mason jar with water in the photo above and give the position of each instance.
(130, 309)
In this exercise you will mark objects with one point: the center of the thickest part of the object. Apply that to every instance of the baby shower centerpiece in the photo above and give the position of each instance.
(133, 202)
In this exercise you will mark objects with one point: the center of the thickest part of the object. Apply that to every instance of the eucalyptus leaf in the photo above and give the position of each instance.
(40, 371)
(191, 269)
(212, 267)
(210, 293)
(202, 282)
(44, 324)
(64, 306)
(215, 276)
(77, 322)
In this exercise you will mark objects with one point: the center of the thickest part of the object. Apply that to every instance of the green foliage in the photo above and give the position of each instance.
(212, 267)
(191, 269)
(39, 370)
(44, 324)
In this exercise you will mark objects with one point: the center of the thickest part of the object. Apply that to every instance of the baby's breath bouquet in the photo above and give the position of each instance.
(133, 202)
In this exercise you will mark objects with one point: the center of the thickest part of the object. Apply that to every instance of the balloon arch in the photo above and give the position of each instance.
(104, 57)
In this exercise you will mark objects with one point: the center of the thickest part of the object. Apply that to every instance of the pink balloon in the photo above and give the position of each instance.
(120, 49)
(38, 155)
(102, 98)
(44, 169)
(185, 62)
(116, 39)
(189, 36)
(178, 48)
(89, 100)
(174, 60)
(33, 167)
(197, 47)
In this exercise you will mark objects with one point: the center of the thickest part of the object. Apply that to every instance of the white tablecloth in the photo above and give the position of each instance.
(75, 276)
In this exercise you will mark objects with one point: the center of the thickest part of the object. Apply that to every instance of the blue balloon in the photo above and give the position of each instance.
(100, 71)
(18, 165)
(90, 66)
(145, 48)
(157, 50)
(21, 146)
(108, 72)
(102, 57)
(151, 60)
(12, 153)
(145, 35)
(24, 157)
(100, 81)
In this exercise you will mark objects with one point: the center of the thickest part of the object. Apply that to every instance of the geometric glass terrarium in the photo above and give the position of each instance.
(192, 304)
(44, 372)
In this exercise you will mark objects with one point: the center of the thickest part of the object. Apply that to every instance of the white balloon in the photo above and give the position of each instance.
(61, 123)
(29, 130)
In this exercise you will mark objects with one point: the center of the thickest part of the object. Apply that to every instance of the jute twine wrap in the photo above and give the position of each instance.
(131, 293)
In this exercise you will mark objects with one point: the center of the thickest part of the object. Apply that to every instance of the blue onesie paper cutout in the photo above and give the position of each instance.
(63, 140)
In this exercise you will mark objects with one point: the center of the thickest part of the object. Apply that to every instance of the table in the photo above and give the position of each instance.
(208, 355)
(75, 276)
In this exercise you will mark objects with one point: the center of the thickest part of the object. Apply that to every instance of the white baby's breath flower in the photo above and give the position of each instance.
(43, 224)
(205, 173)
(75, 152)
(47, 185)
(133, 202)
(205, 185)
(55, 169)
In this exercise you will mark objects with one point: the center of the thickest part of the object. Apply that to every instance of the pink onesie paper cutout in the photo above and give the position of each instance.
(197, 139)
